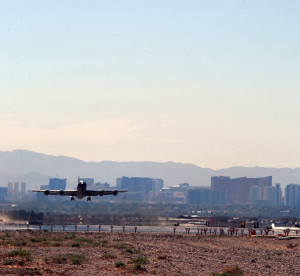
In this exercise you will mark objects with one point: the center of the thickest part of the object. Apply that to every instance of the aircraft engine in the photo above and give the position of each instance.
(101, 193)
(46, 192)
(115, 192)
(61, 193)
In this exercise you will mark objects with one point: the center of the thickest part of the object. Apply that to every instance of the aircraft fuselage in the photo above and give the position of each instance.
(81, 188)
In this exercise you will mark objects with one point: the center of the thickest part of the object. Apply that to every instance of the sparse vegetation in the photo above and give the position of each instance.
(17, 242)
(139, 260)
(74, 258)
(10, 261)
(117, 240)
(71, 237)
(120, 264)
(22, 253)
(84, 240)
(230, 271)
(129, 250)
(42, 239)
(137, 267)
(58, 239)
(291, 245)
(28, 271)
(132, 250)
(131, 253)
(108, 256)
(120, 245)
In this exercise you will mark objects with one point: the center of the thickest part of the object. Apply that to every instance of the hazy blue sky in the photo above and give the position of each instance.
(214, 83)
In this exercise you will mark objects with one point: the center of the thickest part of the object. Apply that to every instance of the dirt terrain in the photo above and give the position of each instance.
(63, 253)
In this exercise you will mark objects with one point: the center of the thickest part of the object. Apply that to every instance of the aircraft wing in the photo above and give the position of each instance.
(103, 193)
(58, 192)
(91, 193)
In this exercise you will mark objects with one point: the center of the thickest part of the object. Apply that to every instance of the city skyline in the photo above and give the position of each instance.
(212, 83)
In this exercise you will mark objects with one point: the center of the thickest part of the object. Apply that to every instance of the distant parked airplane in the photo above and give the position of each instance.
(80, 192)
(284, 228)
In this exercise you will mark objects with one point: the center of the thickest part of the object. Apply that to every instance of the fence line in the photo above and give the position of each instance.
(201, 231)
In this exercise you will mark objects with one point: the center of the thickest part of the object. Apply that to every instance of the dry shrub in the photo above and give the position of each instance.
(230, 271)
(291, 245)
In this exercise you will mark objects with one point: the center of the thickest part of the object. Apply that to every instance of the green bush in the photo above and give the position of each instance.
(82, 239)
(23, 253)
(28, 271)
(39, 239)
(120, 264)
(231, 271)
(120, 245)
(9, 262)
(108, 256)
(74, 258)
(139, 260)
(129, 250)
(138, 267)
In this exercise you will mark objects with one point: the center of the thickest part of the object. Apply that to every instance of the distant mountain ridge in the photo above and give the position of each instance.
(37, 168)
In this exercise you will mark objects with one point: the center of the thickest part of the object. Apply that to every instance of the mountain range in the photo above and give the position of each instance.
(36, 169)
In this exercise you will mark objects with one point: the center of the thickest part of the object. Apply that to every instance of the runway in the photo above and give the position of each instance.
(182, 229)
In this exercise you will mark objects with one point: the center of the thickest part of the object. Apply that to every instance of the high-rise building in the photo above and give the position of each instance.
(278, 195)
(3, 193)
(269, 195)
(205, 196)
(57, 184)
(141, 185)
(255, 194)
(90, 182)
(16, 191)
(292, 195)
(118, 182)
(238, 189)
(16, 188)
(10, 191)
(102, 186)
(23, 189)
(158, 185)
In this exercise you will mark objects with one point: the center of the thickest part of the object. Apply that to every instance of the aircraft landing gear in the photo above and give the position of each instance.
(88, 198)
(72, 198)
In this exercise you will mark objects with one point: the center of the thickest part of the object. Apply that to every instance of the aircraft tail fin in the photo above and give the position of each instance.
(273, 225)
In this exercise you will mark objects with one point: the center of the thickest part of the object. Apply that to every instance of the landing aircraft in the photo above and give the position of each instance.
(80, 192)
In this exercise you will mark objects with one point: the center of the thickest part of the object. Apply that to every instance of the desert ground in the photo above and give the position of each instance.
(105, 253)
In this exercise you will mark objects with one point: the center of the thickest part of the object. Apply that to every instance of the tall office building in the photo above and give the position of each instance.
(90, 182)
(143, 187)
(292, 195)
(16, 191)
(205, 196)
(10, 190)
(278, 195)
(269, 195)
(255, 194)
(158, 185)
(23, 189)
(57, 184)
(3, 193)
(238, 189)
(118, 182)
